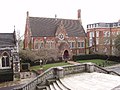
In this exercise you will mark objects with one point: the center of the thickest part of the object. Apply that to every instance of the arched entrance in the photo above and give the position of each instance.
(66, 54)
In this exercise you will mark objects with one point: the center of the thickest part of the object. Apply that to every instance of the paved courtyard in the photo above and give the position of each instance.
(115, 68)
(91, 81)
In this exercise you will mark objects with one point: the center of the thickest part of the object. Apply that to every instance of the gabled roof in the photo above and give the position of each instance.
(48, 26)
(7, 39)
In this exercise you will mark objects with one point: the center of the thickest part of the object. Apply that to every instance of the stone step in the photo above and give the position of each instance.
(56, 86)
(47, 88)
(65, 82)
(63, 87)
(52, 87)
(42, 88)
(50, 81)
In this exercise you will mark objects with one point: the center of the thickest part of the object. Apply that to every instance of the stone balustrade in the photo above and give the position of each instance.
(60, 72)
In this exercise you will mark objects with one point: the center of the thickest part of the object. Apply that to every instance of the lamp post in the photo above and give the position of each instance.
(110, 39)
(76, 44)
(40, 63)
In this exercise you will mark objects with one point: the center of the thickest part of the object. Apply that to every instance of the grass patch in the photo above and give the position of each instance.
(99, 62)
(47, 66)
(96, 61)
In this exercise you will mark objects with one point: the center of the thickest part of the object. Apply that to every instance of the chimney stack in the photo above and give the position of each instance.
(27, 13)
(79, 15)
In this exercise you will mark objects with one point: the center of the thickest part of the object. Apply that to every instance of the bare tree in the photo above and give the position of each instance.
(46, 55)
(117, 45)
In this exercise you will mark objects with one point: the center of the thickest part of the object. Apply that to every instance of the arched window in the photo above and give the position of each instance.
(5, 60)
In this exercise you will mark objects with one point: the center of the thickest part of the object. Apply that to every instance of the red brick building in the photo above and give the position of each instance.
(101, 37)
(66, 35)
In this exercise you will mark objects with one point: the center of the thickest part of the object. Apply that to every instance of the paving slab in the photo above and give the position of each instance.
(91, 81)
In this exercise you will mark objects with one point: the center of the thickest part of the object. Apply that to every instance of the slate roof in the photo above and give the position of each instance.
(47, 26)
(7, 39)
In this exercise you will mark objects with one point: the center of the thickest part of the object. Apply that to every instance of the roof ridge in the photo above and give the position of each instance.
(6, 33)
(55, 18)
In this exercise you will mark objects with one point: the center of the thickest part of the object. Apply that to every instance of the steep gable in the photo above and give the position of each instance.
(61, 29)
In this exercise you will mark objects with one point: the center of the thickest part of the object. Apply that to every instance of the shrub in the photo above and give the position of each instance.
(33, 56)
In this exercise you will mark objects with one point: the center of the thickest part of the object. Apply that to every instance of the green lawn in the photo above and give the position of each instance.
(45, 67)
(99, 62)
(96, 61)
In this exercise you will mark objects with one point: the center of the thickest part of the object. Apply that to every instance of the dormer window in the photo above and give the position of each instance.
(118, 24)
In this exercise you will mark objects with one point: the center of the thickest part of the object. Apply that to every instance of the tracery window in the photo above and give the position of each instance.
(5, 60)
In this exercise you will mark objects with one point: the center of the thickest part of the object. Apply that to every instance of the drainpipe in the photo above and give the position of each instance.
(110, 39)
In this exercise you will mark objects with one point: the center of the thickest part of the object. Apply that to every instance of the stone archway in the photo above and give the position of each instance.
(66, 54)
(64, 51)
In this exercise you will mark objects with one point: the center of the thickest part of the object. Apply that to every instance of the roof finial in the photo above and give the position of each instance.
(79, 13)
(27, 13)
(55, 16)
(14, 28)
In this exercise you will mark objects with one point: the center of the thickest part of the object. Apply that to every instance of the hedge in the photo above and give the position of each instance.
(96, 56)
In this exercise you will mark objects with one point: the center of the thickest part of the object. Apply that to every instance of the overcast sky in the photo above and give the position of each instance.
(13, 12)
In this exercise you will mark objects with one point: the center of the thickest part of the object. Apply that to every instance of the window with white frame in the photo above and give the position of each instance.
(94, 25)
(41, 45)
(107, 25)
(50, 44)
(91, 34)
(114, 25)
(113, 41)
(36, 44)
(118, 32)
(114, 33)
(90, 42)
(106, 34)
(97, 33)
(78, 44)
(82, 44)
(106, 41)
(5, 60)
(72, 44)
(97, 41)
(119, 24)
